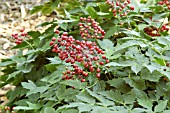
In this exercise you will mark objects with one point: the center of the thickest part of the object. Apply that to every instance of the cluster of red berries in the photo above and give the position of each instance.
(166, 2)
(89, 28)
(19, 37)
(120, 7)
(72, 51)
(7, 108)
(153, 31)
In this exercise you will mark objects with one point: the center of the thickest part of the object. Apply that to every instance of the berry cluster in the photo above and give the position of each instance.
(166, 2)
(7, 109)
(89, 28)
(72, 51)
(19, 37)
(120, 7)
(153, 31)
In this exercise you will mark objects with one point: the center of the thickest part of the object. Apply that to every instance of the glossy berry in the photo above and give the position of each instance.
(98, 75)
(57, 31)
(132, 8)
(83, 80)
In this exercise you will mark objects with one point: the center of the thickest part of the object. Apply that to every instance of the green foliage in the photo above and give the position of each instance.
(136, 79)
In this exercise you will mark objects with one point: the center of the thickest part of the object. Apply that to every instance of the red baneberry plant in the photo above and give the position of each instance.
(92, 63)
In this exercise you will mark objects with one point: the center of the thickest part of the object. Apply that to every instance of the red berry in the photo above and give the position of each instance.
(20, 39)
(101, 63)
(98, 75)
(22, 30)
(132, 8)
(57, 31)
(65, 34)
(103, 57)
(83, 80)
(160, 2)
(169, 7)
(51, 43)
(114, 11)
(98, 70)
(107, 61)
(53, 39)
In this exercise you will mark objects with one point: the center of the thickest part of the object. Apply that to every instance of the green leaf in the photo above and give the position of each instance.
(6, 63)
(161, 106)
(75, 83)
(49, 110)
(113, 95)
(100, 98)
(13, 75)
(85, 97)
(36, 9)
(136, 82)
(33, 88)
(154, 76)
(67, 14)
(105, 44)
(112, 31)
(35, 35)
(55, 60)
(91, 11)
(47, 9)
(128, 44)
(136, 68)
(115, 64)
(143, 99)
(99, 109)
(120, 85)
(63, 25)
(166, 111)
(150, 3)
(70, 111)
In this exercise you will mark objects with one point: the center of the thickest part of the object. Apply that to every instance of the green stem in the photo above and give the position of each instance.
(29, 44)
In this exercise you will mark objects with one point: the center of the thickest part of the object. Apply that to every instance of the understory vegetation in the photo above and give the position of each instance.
(99, 56)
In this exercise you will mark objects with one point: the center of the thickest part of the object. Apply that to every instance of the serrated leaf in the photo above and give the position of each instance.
(129, 44)
(113, 95)
(117, 64)
(91, 11)
(13, 75)
(99, 109)
(136, 67)
(120, 85)
(154, 76)
(36, 9)
(161, 106)
(85, 97)
(47, 10)
(150, 3)
(55, 60)
(67, 14)
(139, 110)
(63, 25)
(75, 83)
(35, 35)
(112, 31)
(100, 98)
(136, 82)
(33, 88)
(105, 44)
(143, 99)
(6, 63)
(49, 110)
